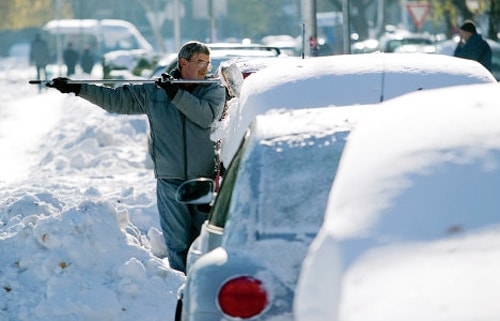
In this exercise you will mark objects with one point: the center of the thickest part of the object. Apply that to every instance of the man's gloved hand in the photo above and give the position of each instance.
(165, 82)
(61, 84)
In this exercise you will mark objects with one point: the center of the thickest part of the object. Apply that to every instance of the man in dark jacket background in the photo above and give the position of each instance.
(472, 45)
(180, 117)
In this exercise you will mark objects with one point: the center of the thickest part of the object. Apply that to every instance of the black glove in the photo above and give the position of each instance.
(61, 84)
(165, 82)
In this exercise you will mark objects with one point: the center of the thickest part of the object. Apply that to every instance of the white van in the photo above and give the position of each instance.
(117, 43)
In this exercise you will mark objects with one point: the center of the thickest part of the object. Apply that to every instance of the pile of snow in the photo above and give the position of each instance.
(79, 230)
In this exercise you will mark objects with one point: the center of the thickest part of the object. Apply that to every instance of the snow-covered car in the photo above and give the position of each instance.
(295, 83)
(262, 235)
(412, 226)
(340, 80)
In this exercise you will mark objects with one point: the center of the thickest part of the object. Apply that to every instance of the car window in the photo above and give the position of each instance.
(283, 187)
(218, 213)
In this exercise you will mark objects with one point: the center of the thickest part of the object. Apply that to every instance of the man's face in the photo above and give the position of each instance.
(196, 67)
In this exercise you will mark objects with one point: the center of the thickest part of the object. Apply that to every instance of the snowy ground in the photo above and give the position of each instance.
(79, 232)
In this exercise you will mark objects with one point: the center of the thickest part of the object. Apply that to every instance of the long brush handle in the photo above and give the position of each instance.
(113, 81)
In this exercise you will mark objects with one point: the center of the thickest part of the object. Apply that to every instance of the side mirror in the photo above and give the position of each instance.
(196, 191)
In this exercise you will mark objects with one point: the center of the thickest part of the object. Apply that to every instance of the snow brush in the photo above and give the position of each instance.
(116, 81)
(231, 78)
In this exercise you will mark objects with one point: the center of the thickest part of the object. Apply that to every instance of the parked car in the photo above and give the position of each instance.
(340, 80)
(411, 42)
(283, 169)
(220, 52)
(117, 43)
(411, 231)
(294, 83)
(365, 46)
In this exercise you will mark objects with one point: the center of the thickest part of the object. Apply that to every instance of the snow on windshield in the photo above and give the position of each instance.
(305, 167)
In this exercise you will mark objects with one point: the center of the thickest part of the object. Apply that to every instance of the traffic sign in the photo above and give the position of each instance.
(418, 12)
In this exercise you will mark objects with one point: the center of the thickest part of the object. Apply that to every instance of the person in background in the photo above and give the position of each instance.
(70, 57)
(472, 45)
(180, 118)
(39, 56)
(87, 61)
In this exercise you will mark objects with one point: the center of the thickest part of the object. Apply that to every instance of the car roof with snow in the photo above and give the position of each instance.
(412, 219)
(295, 83)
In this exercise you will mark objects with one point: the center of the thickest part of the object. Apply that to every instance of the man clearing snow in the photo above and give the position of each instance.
(180, 116)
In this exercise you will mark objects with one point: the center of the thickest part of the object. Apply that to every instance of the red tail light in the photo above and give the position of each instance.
(242, 297)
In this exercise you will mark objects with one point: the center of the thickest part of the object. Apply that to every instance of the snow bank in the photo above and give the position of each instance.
(79, 229)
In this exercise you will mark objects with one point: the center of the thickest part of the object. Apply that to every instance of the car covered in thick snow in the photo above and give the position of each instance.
(412, 226)
(292, 83)
(261, 235)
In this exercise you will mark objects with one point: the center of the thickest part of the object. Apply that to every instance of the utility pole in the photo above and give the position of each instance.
(59, 49)
(156, 16)
(177, 24)
(213, 27)
(310, 27)
(346, 11)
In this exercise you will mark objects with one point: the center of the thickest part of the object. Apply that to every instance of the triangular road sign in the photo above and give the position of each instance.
(418, 12)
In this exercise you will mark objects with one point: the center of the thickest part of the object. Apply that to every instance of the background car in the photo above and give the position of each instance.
(282, 171)
(411, 230)
(116, 43)
(220, 52)
(404, 41)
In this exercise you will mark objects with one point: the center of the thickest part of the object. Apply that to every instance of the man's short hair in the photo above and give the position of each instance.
(190, 48)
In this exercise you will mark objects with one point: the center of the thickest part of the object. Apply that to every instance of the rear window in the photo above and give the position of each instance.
(283, 186)
(295, 179)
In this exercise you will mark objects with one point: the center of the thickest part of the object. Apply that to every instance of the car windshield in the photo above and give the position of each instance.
(282, 186)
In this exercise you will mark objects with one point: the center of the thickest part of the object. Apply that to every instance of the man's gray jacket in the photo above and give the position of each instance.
(180, 128)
